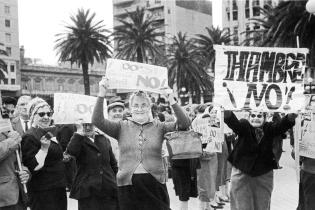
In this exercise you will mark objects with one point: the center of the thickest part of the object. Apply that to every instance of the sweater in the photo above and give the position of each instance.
(139, 143)
(249, 156)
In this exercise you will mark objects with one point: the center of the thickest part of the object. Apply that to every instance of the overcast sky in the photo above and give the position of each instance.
(40, 20)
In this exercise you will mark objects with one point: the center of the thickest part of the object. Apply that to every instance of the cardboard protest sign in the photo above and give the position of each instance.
(71, 108)
(267, 79)
(5, 125)
(135, 76)
(210, 124)
(307, 141)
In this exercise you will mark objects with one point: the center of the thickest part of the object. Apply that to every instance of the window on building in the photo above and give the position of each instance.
(7, 9)
(8, 50)
(148, 3)
(7, 23)
(247, 9)
(5, 81)
(228, 16)
(12, 68)
(37, 83)
(256, 10)
(7, 37)
(235, 14)
(168, 11)
(234, 5)
(157, 1)
(12, 81)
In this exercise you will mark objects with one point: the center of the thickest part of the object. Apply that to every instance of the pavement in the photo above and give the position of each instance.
(284, 196)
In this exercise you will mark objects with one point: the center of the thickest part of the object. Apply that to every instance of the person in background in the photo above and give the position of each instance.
(11, 178)
(253, 160)
(8, 106)
(95, 183)
(184, 175)
(115, 113)
(43, 156)
(21, 122)
(141, 177)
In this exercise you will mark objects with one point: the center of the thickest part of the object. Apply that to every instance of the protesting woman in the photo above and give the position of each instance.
(253, 160)
(95, 183)
(43, 155)
(141, 177)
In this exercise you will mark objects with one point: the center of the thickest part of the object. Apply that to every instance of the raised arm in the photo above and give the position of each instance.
(107, 126)
(278, 128)
(231, 120)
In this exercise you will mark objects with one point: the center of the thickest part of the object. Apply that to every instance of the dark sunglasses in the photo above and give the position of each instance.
(254, 115)
(8, 111)
(42, 114)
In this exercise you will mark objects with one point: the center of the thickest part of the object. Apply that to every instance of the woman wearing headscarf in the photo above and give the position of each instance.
(43, 155)
(95, 183)
(141, 176)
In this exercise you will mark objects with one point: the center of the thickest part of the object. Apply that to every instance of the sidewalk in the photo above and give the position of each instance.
(284, 196)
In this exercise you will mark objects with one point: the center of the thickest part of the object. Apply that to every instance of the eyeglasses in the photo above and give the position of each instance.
(254, 115)
(42, 114)
(8, 111)
(142, 106)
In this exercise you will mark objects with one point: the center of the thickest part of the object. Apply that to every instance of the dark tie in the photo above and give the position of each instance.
(26, 125)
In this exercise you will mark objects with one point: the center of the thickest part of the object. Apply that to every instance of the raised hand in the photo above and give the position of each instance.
(103, 86)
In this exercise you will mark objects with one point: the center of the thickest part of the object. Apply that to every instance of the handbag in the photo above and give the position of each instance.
(183, 144)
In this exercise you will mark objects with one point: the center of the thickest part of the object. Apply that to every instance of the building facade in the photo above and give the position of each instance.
(237, 15)
(189, 17)
(44, 81)
(9, 41)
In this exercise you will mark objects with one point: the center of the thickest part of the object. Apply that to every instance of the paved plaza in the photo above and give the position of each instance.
(285, 193)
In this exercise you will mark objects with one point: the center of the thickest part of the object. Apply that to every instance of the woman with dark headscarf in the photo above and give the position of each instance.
(43, 155)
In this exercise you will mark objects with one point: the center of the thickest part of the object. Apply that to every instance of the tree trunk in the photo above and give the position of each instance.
(86, 81)
(139, 56)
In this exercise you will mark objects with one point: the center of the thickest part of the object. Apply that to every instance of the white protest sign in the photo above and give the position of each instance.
(259, 78)
(210, 124)
(5, 125)
(135, 76)
(72, 108)
(307, 142)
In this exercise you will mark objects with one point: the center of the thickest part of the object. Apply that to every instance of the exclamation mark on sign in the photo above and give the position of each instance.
(230, 95)
(289, 98)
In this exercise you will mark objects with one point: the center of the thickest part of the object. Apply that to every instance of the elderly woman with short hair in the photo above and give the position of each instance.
(43, 155)
(141, 176)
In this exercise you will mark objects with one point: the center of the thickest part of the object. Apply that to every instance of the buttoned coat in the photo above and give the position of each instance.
(9, 188)
(97, 167)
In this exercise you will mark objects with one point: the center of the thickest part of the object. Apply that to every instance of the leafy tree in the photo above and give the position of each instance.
(184, 67)
(283, 23)
(84, 42)
(137, 38)
(205, 44)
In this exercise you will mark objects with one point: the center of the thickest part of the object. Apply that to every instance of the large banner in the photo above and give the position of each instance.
(135, 76)
(257, 78)
(210, 124)
(73, 108)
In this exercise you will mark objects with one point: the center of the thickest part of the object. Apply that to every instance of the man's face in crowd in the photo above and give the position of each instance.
(116, 113)
(22, 106)
(9, 110)
(256, 119)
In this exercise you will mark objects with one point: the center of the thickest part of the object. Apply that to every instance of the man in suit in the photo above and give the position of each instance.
(21, 122)
(10, 197)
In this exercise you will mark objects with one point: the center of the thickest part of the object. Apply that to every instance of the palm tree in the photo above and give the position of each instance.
(184, 67)
(83, 43)
(3, 65)
(287, 21)
(205, 44)
(138, 37)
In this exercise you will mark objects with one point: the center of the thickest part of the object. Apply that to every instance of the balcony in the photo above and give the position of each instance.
(118, 2)
(122, 11)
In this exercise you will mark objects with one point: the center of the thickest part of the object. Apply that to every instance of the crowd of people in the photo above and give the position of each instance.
(121, 162)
